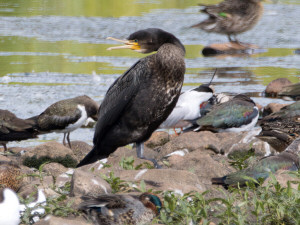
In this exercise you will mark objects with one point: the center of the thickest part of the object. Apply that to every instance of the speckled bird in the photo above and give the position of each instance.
(66, 116)
(281, 128)
(121, 209)
(9, 207)
(238, 114)
(143, 97)
(10, 175)
(287, 160)
(188, 107)
(231, 17)
(13, 128)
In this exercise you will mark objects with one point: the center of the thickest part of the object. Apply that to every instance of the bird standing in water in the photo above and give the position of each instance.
(121, 209)
(143, 97)
(231, 17)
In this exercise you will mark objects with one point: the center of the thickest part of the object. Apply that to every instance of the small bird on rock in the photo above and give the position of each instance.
(238, 114)
(188, 107)
(13, 128)
(281, 128)
(66, 116)
(231, 17)
(287, 160)
(121, 209)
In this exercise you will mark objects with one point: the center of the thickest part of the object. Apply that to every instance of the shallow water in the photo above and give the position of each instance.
(56, 49)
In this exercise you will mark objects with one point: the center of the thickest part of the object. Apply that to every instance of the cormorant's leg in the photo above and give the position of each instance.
(140, 154)
(68, 139)
(4, 146)
(229, 37)
(64, 141)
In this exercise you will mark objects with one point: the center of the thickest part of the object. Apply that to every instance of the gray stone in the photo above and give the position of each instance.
(88, 183)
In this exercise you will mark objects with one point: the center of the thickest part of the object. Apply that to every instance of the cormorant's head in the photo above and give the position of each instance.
(148, 40)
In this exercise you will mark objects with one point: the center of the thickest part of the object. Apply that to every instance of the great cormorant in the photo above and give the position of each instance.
(143, 97)
(231, 17)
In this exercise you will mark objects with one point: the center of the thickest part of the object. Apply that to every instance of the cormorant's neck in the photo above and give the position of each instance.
(171, 39)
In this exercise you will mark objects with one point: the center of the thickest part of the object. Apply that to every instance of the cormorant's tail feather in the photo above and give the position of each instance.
(218, 180)
(96, 154)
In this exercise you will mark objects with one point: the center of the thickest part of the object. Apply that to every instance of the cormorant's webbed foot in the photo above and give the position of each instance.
(140, 154)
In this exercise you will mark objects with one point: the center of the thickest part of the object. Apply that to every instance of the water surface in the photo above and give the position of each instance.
(56, 49)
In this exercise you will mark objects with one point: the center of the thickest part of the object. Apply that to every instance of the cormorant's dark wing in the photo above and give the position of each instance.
(119, 96)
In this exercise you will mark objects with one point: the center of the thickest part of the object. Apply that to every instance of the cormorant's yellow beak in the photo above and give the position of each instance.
(129, 44)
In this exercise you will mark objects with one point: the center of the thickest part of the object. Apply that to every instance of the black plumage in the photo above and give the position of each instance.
(143, 97)
(13, 128)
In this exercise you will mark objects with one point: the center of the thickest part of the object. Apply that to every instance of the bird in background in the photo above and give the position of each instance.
(236, 115)
(13, 128)
(281, 128)
(9, 207)
(188, 107)
(286, 160)
(143, 97)
(231, 17)
(121, 209)
(66, 116)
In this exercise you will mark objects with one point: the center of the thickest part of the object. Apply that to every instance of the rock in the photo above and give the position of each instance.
(221, 143)
(52, 220)
(122, 153)
(49, 152)
(88, 183)
(282, 176)
(158, 138)
(54, 169)
(190, 141)
(275, 86)
(272, 107)
(202, 165)
(164, 179)
(80, 149)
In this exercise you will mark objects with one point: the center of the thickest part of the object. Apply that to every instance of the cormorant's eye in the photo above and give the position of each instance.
(136, 41)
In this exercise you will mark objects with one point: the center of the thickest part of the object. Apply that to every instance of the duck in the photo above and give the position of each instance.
(286, 160)
(236, 115)
(13, 128)
(117, 209)
(143, 97)
(281, 128)
(290, 92)
(10, 175)
(231, 17)
(187, 107)
(66, 116)
(9, 207)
